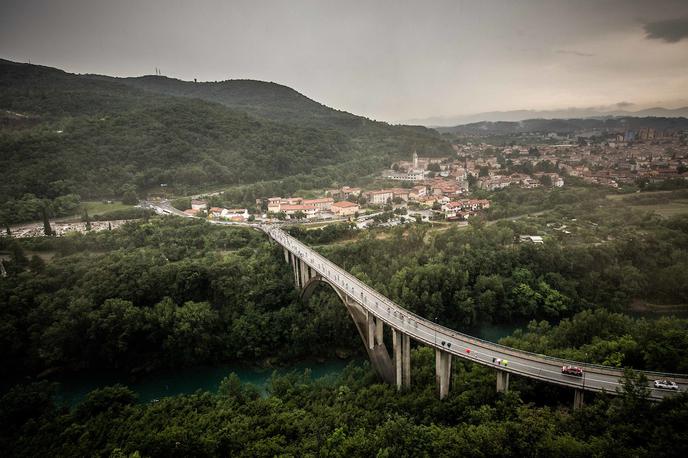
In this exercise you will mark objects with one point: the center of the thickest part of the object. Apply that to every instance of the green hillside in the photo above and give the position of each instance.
(283, 104)
(63, 134)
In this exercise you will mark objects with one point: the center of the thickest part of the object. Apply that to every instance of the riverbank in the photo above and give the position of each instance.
(73, 387)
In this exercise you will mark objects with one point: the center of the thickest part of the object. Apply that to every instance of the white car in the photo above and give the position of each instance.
(666, 385)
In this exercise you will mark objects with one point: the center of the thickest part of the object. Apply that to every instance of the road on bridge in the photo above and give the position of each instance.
(539, 367)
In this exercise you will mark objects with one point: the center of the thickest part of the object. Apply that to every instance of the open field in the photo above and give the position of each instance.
(98, 207)
(678, 207)
(644, 194)
(664, 203)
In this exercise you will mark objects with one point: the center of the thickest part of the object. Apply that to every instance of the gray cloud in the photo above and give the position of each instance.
(389, 59)
(670, 30)
(574, 53)
(625, 104)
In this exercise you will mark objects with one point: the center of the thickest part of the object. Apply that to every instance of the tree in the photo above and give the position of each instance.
(47, 230)
(36, 264)
(130, 198)
(86, 218)
(546, 181)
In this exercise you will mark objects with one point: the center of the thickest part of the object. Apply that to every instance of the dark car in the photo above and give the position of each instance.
(572, 370)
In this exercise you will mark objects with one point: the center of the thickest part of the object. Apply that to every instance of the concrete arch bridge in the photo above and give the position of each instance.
(371, 311)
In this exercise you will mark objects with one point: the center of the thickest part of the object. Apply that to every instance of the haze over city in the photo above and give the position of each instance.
(388, 60)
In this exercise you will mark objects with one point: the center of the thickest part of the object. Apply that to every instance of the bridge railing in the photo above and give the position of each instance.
(438, 328)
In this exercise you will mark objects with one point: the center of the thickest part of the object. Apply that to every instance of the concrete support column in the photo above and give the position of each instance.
(396, 344)
(502, 381)
(371, 331)
(304, 273)
(286, 255)
(406, 357)
(443, 363)
(577, 399)
(295, 268)
(379, 332)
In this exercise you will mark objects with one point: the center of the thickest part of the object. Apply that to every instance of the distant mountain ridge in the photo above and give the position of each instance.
(565, 126)
(569, 113)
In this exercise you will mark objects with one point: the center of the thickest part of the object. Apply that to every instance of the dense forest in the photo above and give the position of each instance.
(349, 416)
(148, 284)
(168, 293)
(481, 273)
(64, 134)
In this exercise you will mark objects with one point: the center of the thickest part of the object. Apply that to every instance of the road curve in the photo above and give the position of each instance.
(595, 378)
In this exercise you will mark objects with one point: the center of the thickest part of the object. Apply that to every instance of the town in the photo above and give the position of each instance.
(453, 188)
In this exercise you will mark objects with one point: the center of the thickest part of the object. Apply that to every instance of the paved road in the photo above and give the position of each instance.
(595, 378)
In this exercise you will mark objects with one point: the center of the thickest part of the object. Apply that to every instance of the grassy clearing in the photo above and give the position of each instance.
(99, 207)
(678, 207)
(664, 203)
(630, 196)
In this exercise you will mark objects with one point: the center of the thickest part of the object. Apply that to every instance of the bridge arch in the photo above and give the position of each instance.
(312, 284)
(368, 327)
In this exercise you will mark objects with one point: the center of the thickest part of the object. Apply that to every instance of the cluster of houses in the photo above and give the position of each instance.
(426, 193)
(310, 208)
(463, 209)
(198, 207)
(493, 182)
(614, 159)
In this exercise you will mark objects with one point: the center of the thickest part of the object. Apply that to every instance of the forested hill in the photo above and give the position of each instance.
(62, 133)
(277, 103)
(259, 98)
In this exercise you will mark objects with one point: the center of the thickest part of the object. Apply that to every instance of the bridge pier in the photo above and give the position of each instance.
(577, 399)
(406, 357)
(502, 381)
(443, 365)
(303, 269)
(379, 331)
(372, 328)
(401, 344)
(396, 345)
(295, 268)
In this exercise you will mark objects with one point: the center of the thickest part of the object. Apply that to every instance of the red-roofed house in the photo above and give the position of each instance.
(344, 208)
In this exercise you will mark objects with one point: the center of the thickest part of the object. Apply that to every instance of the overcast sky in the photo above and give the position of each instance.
(388, 60)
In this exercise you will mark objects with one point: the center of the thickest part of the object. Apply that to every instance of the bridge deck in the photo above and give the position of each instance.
(540, 367)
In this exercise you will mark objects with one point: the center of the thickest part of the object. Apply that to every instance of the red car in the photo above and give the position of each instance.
(572, 370)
